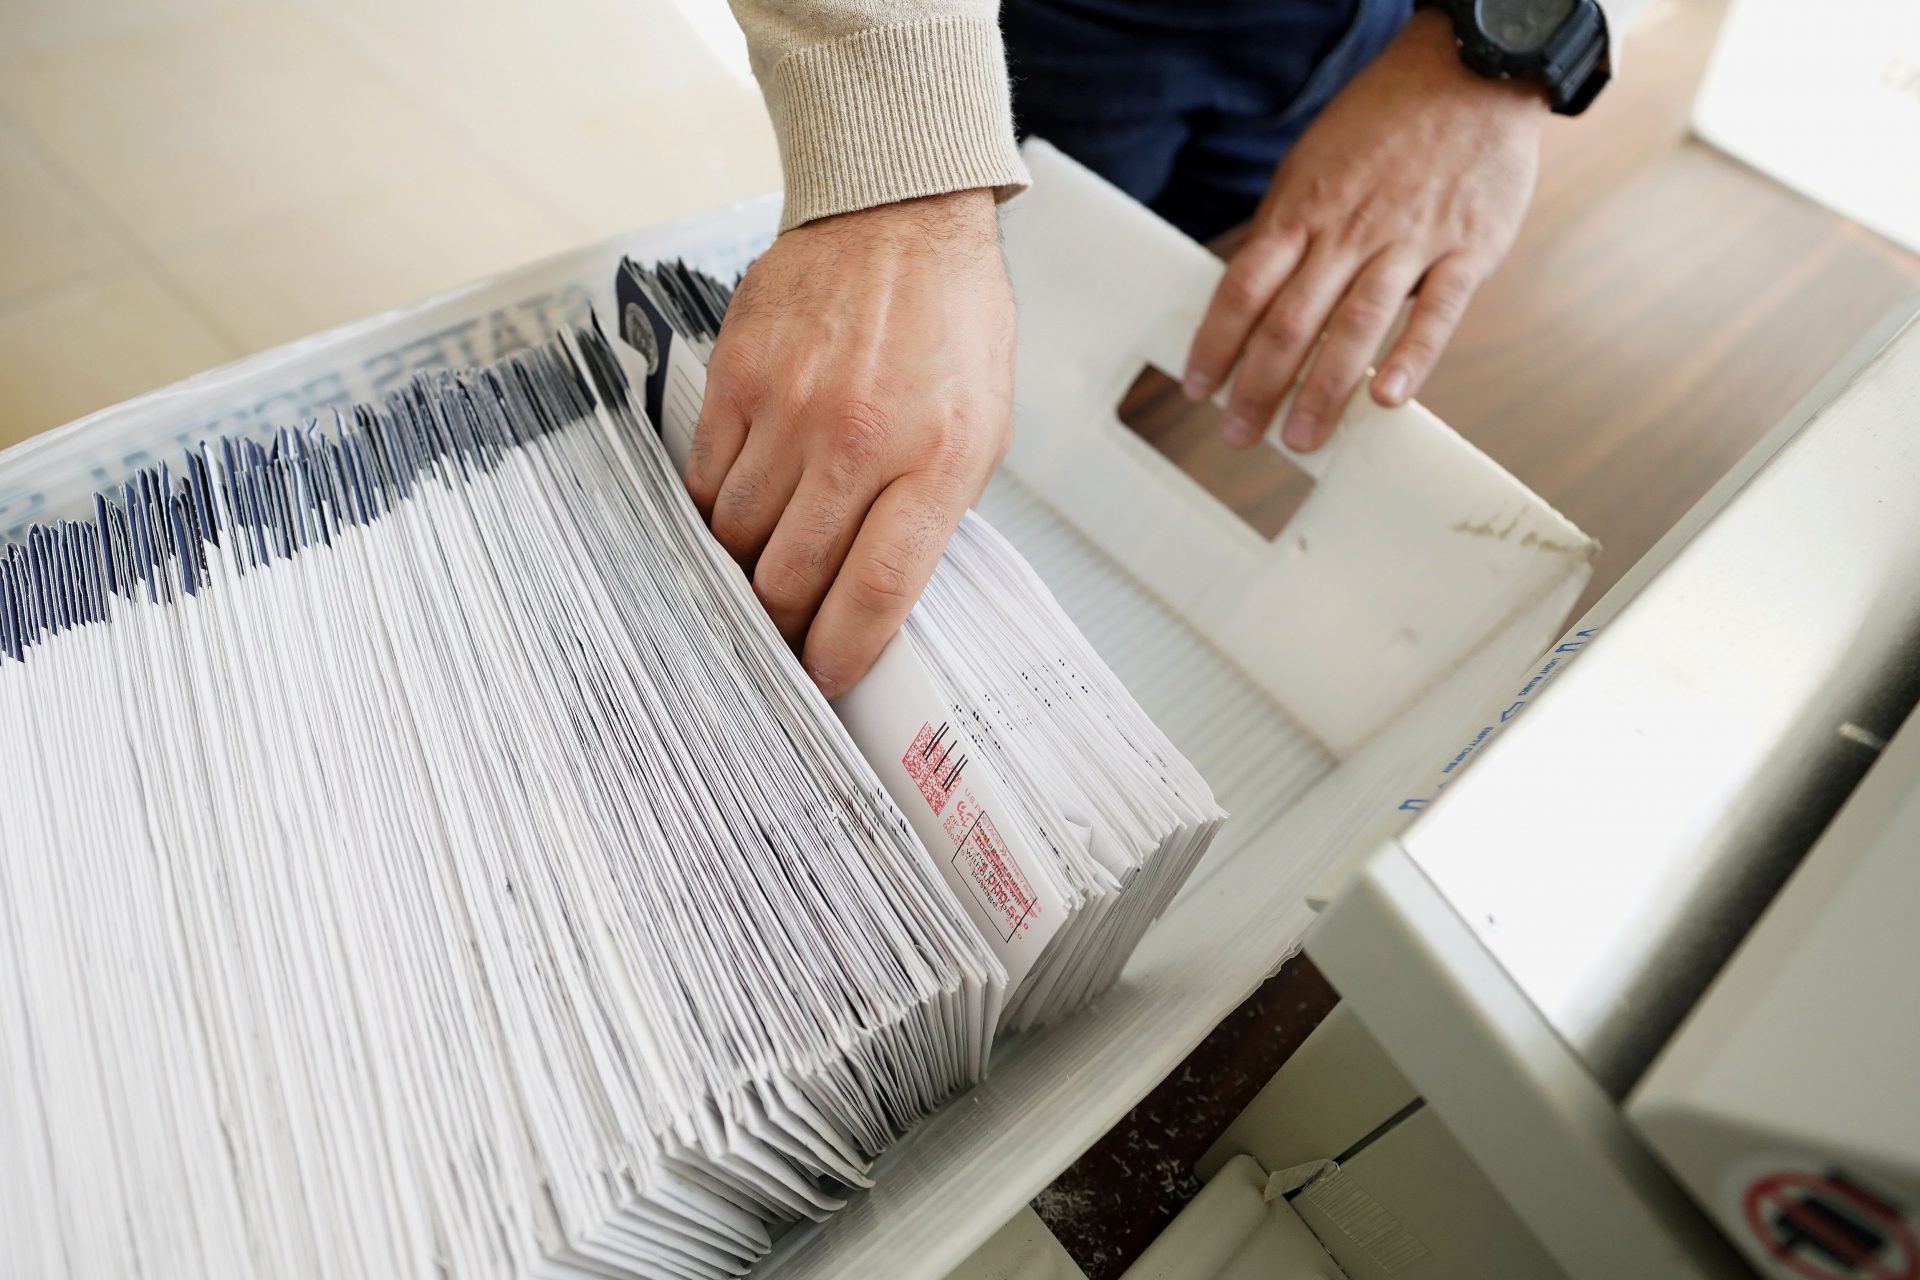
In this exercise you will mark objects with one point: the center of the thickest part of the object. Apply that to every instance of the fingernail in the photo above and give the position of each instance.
(1240, 431)
(825, 683)
(1298, 433)
(1197, 386)
(1393, 385)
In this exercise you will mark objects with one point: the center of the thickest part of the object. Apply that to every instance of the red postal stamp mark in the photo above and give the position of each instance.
(931, 764)
(936, 760)
(996, 880)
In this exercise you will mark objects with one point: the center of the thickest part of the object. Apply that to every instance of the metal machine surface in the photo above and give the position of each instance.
(1788, 1103)
(1612, 848)
(1529, 945)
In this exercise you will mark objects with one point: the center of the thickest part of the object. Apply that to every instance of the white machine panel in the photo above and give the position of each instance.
(1789, 1102)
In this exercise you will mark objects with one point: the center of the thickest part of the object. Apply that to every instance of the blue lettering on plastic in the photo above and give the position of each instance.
(1534, 684)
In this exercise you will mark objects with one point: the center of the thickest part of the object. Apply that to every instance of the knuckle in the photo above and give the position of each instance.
(1365, 314)
(1239, 291)
(1446, 298)
(883, 584)
(823, 527)
(735, 367)
(783, 582)
(742, 488)
(861, 433)
(1328, 388)
(733, 538)
(954, 451)
(1369, 222)
(1446, 306)
(703, 452)
(700, 451)
(732, 529)
(1289, 327)
(1315, 192)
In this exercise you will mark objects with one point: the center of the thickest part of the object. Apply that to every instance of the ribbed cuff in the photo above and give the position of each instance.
(892, 113)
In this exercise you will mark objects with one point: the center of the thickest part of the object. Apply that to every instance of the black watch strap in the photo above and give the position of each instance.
(1571, 65)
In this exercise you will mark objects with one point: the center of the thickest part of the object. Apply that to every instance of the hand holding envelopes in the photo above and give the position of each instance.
(1058, 812)
(422, 857)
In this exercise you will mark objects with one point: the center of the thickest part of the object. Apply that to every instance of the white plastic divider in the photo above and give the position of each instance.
(1412, 544)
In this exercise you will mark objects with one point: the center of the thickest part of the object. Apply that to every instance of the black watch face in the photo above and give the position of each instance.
(1521, 26)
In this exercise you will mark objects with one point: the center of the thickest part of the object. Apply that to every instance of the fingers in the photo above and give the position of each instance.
(718, 436)
(1354, 334)
(1282, 339)
(895, 553)
(1437, 308)
(1257, 271)
(807, 548)
(756, 490)
(1323, 296)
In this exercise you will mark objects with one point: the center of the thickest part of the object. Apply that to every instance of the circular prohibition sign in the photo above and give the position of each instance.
(1823, 1227)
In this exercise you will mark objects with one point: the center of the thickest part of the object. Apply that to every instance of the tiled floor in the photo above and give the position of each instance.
(186, 181)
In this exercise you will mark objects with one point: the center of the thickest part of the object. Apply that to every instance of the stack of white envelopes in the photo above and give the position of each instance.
(1059, 812)
(1091, 797)
(422, 857)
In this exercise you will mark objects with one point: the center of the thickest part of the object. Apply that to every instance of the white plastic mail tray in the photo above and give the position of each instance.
(1316, 679)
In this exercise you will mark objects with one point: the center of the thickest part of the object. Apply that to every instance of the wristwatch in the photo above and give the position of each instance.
(1560, 44)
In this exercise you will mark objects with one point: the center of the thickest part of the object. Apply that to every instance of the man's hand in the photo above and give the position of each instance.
(859, 396)
(1413, 181)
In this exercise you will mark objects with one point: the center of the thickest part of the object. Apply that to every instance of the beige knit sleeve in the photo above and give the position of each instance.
(881, 100)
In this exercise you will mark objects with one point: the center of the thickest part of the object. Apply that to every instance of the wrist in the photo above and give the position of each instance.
(1429, 37)
(977, 206)
(969, 212)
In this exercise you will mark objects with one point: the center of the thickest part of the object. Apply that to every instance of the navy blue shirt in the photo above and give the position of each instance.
(1186, 104)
